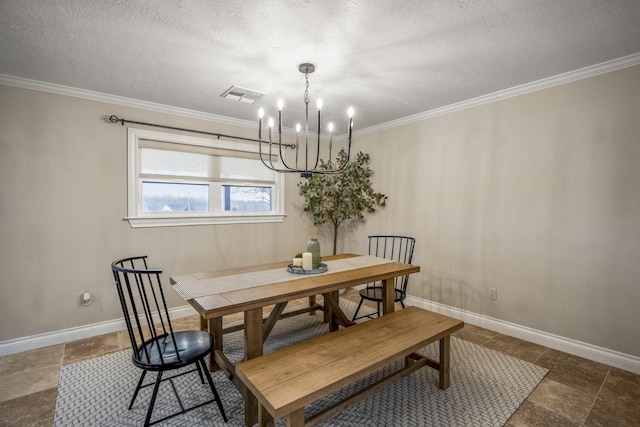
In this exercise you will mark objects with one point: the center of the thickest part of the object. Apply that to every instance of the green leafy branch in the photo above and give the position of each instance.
(337, 198)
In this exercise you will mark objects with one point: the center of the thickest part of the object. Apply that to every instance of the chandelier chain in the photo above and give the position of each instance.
(306, 88)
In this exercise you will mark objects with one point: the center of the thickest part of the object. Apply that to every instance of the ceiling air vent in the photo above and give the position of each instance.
(237, 93)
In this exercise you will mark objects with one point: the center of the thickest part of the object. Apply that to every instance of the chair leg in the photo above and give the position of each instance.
(402, 303)
(200, 372)
(147, 420)
(135, 393)
(355, 315)
(175, 391)
(378, 303)
(213, 389)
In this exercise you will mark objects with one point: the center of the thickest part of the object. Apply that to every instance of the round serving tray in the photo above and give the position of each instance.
(298, 270)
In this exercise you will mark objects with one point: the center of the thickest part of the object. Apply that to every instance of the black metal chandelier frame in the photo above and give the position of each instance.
(282, 166)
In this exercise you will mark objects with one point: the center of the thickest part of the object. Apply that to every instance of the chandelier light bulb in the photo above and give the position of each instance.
(280, 104)
(297, 127)
(350, 112)
(319, 103)
(330, 127)
(261, 113)
(270, 122)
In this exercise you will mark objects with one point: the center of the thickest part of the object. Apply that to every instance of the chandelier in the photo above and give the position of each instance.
(305, 163)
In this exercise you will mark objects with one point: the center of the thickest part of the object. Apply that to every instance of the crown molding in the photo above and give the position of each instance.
(582, 73)
(23, 83)
(560, 79)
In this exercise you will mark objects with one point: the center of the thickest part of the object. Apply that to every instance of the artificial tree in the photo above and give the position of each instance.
(342, 197)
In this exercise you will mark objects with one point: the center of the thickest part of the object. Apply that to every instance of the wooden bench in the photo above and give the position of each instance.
(288, 379)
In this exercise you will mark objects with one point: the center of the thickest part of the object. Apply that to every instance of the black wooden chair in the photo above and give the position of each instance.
(156, 346)
(396, 248)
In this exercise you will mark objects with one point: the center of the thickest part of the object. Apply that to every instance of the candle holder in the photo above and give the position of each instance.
(299, 270)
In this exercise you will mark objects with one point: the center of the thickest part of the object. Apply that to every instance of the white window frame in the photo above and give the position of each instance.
(138, 218)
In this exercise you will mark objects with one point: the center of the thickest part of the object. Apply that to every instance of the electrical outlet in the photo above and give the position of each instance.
(493, 294)
(86, 298)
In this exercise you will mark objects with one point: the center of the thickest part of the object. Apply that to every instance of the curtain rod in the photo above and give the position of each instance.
(116, 119)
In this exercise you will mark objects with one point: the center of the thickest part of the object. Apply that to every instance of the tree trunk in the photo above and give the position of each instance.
(335, 236)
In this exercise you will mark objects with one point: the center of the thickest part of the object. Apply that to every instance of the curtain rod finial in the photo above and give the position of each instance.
(115, 119)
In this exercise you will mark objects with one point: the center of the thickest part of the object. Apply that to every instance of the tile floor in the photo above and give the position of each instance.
(575, 392)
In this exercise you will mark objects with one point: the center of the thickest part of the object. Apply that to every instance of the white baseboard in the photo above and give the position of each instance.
(567, 345)
(19, 345)
(578, 348)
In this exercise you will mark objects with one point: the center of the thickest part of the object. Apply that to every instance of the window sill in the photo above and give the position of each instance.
(140, 222)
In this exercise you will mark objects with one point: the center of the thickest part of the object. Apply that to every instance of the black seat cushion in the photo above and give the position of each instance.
(192, 345)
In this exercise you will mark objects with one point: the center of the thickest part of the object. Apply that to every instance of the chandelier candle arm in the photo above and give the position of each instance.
(270, 141)
(306, 127)
(297, 142)
(319, 105)
(350, 114)
(330, 139)
(271, 165)
(280, 105)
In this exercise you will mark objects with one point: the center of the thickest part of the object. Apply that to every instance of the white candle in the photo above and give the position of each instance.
(307, 263)
(297, 262)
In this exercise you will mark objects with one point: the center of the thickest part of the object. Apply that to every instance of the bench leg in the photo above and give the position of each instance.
(253, 334)
(444, 362)
(264, 417)
(296, 418)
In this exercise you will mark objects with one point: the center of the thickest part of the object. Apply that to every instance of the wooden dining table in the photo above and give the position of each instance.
(251, 289)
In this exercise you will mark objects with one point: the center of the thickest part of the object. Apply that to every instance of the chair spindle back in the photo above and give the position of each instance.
(395, 248)
(145, 310)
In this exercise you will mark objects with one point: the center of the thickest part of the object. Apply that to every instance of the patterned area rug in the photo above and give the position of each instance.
(486, 389)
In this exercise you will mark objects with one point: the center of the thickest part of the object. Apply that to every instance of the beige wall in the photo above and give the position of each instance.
(537, 196)
(63, 200)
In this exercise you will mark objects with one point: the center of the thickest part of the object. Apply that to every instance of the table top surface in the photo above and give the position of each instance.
(223, 292)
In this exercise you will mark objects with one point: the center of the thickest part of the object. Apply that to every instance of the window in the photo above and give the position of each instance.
(184, 180)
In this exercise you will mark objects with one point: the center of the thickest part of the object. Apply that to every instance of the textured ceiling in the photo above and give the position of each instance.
(389, 59)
